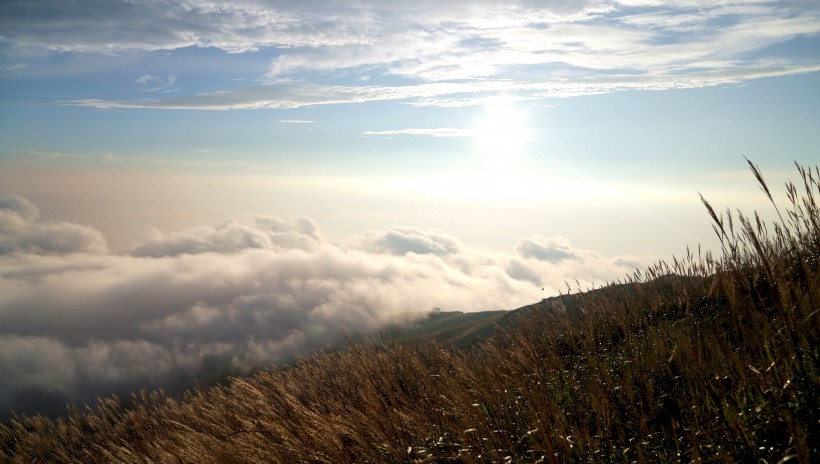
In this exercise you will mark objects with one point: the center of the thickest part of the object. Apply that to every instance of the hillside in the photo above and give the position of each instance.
(706, 358)
(461, 329)
(456, 327)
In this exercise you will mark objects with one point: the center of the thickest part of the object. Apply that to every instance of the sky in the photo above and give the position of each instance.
(189, 188)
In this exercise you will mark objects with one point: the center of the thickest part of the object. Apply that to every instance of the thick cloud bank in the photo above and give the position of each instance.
(20, 232)
(77, 322)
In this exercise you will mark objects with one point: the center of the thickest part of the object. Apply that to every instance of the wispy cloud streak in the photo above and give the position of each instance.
(433, 132)
(299, 95)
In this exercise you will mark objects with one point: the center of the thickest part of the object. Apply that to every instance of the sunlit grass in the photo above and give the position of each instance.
(704, 358)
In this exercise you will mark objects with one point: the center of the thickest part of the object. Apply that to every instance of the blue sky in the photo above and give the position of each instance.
(607, 91)
(356, 160)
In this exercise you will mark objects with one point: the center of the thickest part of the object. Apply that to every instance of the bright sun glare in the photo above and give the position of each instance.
(501, 135)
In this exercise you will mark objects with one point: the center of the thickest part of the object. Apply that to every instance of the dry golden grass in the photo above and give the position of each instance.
(702, 359)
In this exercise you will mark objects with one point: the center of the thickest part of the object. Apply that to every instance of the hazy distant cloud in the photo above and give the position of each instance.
(133, 160)
(545, 249)
(158, 84)
(21, 208)
(146, 78)
(35, 156)
(520, 271)
(206, 301)
(43, 155)
(269, 232)
(34, 363)
(296, 121)
(628, 262)
(434, 132)
(21, 232)
(229, 237)
(403, 240)
(301, 232)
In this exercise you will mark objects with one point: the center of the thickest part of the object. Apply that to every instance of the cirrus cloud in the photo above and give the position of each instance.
(288, 95)
(533, 50)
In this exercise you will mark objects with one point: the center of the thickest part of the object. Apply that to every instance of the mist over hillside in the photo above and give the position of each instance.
(78, 322)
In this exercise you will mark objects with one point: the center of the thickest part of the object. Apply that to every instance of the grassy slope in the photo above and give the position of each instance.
(455, 327)
(719, 362)
(463, 330)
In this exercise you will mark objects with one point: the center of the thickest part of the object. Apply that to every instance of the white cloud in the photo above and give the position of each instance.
(470, 93)
(241, 26)
(268, 232)
(589, 46)
(146, 78)
(159, 84)
(21, 232)
(280, 95)
(403, 240)
(206, 301)
(541, 248)
(434, 132)
(22, 209)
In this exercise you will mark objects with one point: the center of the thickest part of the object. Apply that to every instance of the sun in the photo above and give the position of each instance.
(501, 135)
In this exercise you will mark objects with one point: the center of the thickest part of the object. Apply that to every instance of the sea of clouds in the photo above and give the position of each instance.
(78, 322)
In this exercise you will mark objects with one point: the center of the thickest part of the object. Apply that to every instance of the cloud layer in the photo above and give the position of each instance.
(20, 232)
(531, 49)
(206, 301)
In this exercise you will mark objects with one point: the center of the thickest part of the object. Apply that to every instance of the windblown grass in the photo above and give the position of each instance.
(705, 358)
